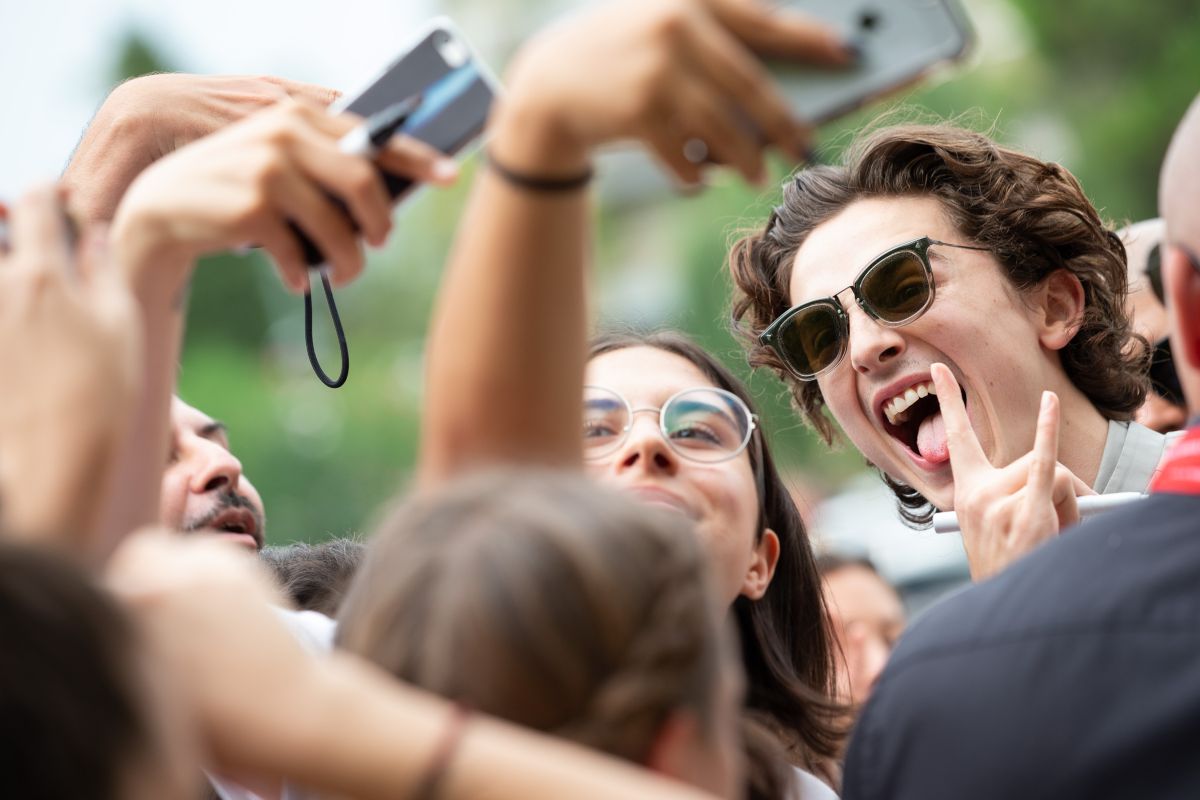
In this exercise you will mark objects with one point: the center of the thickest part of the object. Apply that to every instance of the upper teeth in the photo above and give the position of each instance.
(894, 409)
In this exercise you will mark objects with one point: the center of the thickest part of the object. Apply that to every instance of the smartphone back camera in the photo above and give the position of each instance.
(452, 51)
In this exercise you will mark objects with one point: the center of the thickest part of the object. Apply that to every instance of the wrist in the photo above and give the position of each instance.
(531, 135)
(154, 264)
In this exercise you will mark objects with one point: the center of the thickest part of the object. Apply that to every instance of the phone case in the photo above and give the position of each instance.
(456, 88)
(900, 42)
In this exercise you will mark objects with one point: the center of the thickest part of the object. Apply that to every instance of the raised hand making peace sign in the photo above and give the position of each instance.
(1005, 512)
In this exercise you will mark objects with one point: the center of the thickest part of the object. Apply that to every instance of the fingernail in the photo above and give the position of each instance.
(445, 170)
(1046, 401)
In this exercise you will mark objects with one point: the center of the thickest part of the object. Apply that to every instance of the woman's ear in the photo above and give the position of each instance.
(762, 568)
(1059, 304)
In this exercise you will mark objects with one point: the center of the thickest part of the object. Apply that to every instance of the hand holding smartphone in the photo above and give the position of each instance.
(899, 42)
(447, 94)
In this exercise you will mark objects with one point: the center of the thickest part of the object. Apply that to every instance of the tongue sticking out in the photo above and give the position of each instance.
(931, 439)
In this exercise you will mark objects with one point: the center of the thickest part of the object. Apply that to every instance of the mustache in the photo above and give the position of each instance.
(225, 502)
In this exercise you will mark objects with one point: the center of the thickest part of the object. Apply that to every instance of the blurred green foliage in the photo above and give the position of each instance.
(1097, 85)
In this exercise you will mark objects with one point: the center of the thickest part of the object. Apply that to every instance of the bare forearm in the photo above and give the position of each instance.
(506, 349)
(375, 738)
(115, 148)
(159, 283)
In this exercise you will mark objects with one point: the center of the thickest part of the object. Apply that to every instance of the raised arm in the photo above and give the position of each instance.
(238, 186)
(335, 724)
(506, 350)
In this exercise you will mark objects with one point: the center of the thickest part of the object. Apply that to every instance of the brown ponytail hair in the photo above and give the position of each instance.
(545, 600)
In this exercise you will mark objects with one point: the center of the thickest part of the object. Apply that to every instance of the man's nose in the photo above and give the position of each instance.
(871, 344)
(217, 468)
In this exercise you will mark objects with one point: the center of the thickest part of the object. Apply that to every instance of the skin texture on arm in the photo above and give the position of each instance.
(335, 724)
(506, 347)
(149, 117)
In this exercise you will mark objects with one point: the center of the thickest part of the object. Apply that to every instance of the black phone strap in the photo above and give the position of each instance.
(332, 383)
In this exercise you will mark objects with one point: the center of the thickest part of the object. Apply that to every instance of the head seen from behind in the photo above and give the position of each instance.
(935, 244)
(539, 599)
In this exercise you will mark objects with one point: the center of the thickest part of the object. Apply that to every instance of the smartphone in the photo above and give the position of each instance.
(456, 91)
(901, 42)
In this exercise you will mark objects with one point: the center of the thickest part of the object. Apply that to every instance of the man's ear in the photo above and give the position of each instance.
(1059, 304)
(1182, 284)
(762, 568)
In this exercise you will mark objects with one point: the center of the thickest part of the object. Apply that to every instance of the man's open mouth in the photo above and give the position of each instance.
(236, 521)
(913, 417)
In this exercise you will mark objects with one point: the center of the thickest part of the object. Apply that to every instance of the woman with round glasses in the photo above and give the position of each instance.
(508, 356)
(665, 422)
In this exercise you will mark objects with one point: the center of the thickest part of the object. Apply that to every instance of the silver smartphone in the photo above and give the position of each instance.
(900, 42)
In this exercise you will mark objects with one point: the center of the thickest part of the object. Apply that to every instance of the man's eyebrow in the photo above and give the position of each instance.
(213, 429)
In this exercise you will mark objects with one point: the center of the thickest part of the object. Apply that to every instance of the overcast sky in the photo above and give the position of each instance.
(56, 56)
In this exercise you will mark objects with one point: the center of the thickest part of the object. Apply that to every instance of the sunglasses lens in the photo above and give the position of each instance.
(605, 421)
(706, 424)
(897, 288)
(813, 339)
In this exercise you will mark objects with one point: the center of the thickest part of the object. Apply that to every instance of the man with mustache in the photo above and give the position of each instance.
(203, 488)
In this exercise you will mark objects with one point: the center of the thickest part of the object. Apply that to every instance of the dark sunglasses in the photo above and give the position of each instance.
(894, 289)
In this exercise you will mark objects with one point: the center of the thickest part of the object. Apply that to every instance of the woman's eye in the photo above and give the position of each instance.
(593, 430)
(697, 434)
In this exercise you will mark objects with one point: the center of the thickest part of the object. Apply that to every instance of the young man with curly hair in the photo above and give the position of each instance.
(934, 244)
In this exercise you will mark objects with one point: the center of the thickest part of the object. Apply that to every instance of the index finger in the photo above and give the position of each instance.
(1045, 450)
(39, 226)
(782, 34)
(966, 454)
(310, 92)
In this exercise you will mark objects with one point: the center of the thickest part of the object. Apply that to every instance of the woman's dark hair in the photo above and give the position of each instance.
(72, 717)
(786, 643)
(1032, 215)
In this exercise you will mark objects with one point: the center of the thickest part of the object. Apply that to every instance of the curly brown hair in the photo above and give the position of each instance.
(1031, 214)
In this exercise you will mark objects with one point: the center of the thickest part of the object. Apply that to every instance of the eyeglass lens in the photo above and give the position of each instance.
(700, 424)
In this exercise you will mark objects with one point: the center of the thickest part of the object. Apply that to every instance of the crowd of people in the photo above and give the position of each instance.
(628, 607)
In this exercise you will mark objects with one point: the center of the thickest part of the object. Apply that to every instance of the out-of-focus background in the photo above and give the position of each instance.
(1096, 85)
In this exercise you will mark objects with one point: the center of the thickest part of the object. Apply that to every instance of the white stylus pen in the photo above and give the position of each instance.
(366, 139)
(1089, 506)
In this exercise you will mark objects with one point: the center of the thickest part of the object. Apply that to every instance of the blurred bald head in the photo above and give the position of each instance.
(1179, 203)
(1179, 182)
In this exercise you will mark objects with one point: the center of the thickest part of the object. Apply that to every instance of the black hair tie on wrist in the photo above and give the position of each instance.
(538, 183)
(332, 383)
